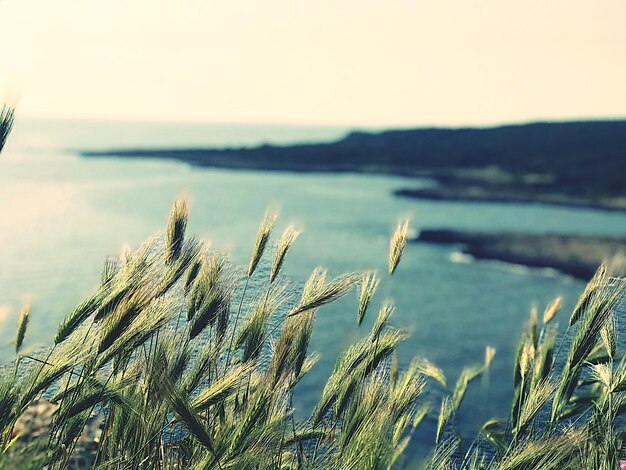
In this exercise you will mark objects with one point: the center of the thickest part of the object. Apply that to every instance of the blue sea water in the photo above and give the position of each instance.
(61, 214)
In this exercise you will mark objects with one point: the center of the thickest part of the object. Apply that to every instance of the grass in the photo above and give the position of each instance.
(165, 367)
(6, 124)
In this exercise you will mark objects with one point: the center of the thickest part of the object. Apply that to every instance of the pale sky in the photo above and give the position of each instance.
(345, 62)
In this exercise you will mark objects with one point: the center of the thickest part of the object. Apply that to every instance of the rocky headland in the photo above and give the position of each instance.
(579, 164)
(575, 255)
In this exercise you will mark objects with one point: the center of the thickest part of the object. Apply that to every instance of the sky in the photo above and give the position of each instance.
(324, 62)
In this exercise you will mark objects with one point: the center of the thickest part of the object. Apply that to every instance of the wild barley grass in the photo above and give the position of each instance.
(317, 292)
(262, 239)
(428, 369)
(146, 356)
(6, 124)
(397, 244)
(284, 244)
(384, 314)
(367, 288)
(146, 353)
(551, 310)
(587, 296)
(22, 324)
(176, 227)
(445, 413)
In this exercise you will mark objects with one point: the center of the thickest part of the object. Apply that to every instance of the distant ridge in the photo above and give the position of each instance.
(581, 161)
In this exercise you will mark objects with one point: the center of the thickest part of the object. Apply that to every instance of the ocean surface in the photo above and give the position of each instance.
(62, 214)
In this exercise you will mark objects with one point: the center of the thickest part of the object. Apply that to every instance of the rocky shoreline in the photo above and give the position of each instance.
(576, 164)
(575, 255)
(490, 195)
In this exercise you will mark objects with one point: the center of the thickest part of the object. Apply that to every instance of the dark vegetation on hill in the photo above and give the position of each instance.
(579, 162)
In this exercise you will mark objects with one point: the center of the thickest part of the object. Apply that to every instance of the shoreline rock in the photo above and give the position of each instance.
(487, 195)
(576, 255)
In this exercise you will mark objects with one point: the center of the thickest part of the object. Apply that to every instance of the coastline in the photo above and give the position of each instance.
(460, 190)
(482, 195)
(575, 255)
(574, 164)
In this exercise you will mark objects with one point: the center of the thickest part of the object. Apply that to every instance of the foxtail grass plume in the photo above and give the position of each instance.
(596, 312)
(538, 397)
(317, 292)
(22, 323)
(284, 244)
(6, 124)
(252, 332)
(490, 352)
(192, 273)
(367, 288)
(608, 334)
(222, 388)
(176, 225)
(445, 412)
(383, 318)
(262, 238)
(397, 244)
(393, 371)
(126, 254)
(590, 291)
(603, 374)
(206, 281)
(526, 358)
(120, 319)
(195, 267)
(210, 298)
(468, 374)
(427, 368)
(111, 268)
(551, 310)
(420, 414)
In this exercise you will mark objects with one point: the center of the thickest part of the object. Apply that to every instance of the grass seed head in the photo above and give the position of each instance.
(397, 244)
(383, 318)
(490, 352)
(551, 310)
(6, 124)
(284, 244)
(367, 288)
(317, 292)
(598, 279)
(22, 324)
(445, 412)
(262, 239)
(176, 225)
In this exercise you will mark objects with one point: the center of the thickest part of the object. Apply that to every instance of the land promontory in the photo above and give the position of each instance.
(566, 163)
(576, 255)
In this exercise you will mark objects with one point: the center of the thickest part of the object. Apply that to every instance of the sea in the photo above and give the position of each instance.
(62, 214)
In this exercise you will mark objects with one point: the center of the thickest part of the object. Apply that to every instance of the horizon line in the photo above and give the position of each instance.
(354, 126)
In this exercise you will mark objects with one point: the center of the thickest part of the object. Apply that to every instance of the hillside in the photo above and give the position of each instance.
(584, 162)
